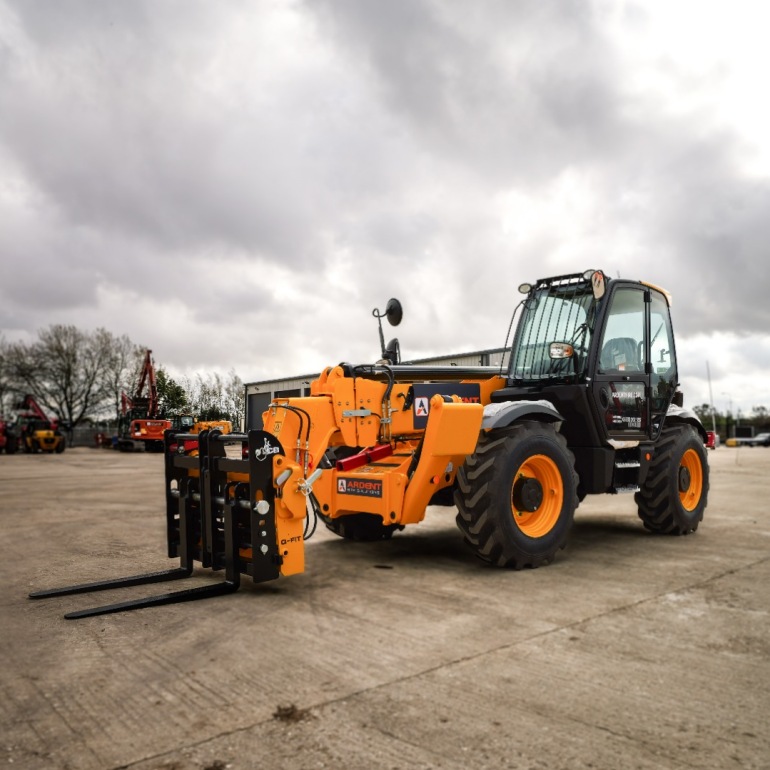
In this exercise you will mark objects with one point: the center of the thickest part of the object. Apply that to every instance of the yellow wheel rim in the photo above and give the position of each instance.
(690, 480)
(534, 510)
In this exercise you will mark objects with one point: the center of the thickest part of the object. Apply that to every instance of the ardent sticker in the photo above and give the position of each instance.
(360, 487)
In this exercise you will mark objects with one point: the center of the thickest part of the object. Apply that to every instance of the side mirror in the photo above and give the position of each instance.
(598, 282)
(394, 312)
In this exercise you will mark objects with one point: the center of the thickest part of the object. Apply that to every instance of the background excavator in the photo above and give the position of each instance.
(141, 427)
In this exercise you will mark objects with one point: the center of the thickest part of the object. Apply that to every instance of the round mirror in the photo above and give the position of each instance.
(394, 312)
(525, 288)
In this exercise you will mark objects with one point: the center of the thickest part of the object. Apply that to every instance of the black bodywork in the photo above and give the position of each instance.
(613, 413)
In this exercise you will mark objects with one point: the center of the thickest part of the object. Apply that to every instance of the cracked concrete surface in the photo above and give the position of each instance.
(630, 651)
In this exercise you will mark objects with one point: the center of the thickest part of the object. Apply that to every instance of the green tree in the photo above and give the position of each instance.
(704, 413)
(172, 397)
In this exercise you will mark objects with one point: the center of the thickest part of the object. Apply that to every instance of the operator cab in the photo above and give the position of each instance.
(602, 351)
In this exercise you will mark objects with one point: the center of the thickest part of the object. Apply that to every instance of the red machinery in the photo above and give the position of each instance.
(141, 427)
(9, 441)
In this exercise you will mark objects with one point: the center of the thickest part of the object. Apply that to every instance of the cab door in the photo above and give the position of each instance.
(621, 385)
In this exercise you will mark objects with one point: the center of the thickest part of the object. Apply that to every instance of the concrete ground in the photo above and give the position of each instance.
(630, 651)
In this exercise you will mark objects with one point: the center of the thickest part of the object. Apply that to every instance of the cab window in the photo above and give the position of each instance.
(622, 348)
(662, 353)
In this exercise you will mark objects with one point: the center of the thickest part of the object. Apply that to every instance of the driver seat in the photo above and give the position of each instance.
(621, 354)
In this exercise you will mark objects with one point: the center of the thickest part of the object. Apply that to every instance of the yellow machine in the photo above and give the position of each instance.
(587, 403)
(36, 432)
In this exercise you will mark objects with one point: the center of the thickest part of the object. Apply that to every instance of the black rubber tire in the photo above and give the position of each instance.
(61, 446)
(486, 490)
(363, 527)
(663, 506)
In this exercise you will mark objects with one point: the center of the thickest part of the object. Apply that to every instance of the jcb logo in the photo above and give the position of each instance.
(265, 451)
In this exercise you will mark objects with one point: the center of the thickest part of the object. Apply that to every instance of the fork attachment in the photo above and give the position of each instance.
(216, 507)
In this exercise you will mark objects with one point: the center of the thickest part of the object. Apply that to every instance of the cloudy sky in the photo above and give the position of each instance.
(237, 185)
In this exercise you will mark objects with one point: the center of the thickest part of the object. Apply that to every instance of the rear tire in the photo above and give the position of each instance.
(674, 495)
(517, 495)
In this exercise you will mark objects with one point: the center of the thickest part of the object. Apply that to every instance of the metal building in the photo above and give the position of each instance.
(260, 394)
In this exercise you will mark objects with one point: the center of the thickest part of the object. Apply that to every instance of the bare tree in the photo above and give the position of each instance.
(6, 384)
(122, 371)
(235, 400)
(72, 373)
(216, 398)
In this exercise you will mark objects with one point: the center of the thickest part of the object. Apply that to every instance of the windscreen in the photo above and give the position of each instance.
(557, 313)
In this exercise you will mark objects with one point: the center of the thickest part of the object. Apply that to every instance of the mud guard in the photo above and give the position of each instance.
(678, 414)
(505, 413)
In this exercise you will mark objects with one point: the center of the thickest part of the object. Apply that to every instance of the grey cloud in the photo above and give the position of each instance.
(185, 154)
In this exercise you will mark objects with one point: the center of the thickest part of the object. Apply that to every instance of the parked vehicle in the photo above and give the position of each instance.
(36, 432)
(9, 441)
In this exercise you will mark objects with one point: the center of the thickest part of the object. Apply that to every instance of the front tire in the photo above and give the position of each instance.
(517, 495)
(674, 495)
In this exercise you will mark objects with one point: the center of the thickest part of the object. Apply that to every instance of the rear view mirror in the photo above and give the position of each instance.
(394, 312)
(598, 283)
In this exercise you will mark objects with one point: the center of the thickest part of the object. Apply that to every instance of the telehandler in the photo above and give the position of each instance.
(35, 430)
(587, 403)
